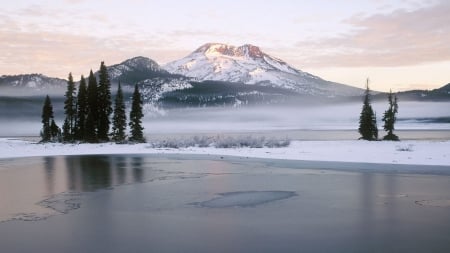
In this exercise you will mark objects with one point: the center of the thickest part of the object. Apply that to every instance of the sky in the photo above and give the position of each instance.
(399, 45)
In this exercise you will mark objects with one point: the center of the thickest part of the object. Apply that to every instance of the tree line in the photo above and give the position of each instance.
(88, 113)
(368, 119)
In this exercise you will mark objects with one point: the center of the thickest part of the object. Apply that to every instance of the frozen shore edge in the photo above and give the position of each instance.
(382, 152)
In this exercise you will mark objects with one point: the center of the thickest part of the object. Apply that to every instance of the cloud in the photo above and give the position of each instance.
(57, 54)
(38, 12)
(192, 33)
(75, 1)
(400, 38)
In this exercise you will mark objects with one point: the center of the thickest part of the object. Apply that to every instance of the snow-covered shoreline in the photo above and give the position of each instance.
(383, 152)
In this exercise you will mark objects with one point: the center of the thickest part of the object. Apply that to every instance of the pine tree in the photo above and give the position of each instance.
(136, 116)
(82, 111)
(92, 115)
(367, 120)
(55, 131)
(119, 118)
(70, 111)
(47, 118)
(104, 103)
(389, 118)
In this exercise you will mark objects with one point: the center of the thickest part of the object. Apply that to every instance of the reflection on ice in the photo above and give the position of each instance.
(58, 185)
(246, 198)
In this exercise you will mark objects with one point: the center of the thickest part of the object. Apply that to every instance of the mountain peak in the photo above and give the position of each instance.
(136, 69)
(141, 62)
(251, 50)
(217, 49)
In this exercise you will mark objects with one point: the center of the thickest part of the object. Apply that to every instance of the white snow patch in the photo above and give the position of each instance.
(384, 152)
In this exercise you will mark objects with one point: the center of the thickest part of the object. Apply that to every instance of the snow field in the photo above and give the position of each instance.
(383, 152)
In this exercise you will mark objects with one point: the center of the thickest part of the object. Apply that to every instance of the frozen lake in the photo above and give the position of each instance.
(181, 203)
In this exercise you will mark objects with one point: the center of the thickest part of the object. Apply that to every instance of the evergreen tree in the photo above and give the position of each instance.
(367, 120)
(82, 111)
(389, 118)
(92, 115)
(55, 131)
(47, 118)
(119, 118)
(70, 111)
(136, 116)
(104, 103)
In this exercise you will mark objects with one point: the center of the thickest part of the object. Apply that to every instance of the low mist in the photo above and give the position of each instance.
(343, 116)
(20, 120)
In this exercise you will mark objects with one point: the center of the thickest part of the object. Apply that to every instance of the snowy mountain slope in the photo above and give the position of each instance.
(152, 89)
(30, 85)
(136, 69)
(153, 81)
(224, 94)
(248, 64)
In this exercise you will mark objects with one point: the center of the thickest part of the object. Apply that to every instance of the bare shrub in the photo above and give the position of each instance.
(408, 148)
(221, 141)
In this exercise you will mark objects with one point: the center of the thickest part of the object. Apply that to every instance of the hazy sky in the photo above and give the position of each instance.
(398, 44)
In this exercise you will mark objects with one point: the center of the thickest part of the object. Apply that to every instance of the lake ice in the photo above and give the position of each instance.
(245, 198)
(142, 203)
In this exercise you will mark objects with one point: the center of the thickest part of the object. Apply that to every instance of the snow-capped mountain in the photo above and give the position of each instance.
(153, 80)
(249, 65)
(136, 69)
(30, 84)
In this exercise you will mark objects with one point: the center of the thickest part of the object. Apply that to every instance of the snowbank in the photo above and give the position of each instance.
(385, 152)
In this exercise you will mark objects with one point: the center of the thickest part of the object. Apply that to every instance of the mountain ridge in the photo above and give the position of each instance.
(156, 80)
(30, 84)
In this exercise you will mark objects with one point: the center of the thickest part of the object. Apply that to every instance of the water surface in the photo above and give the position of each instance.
(176, 203)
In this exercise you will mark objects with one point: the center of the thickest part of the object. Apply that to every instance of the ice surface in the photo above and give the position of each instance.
(392, 195)
(246, 198)
(333, 212)
(61, 203)
(434, 202)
